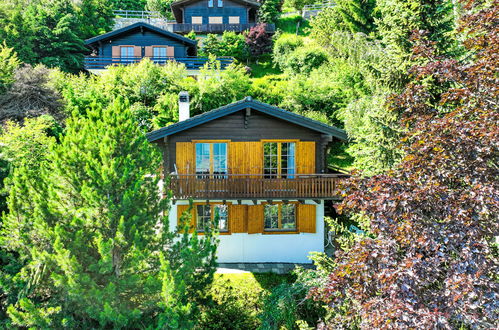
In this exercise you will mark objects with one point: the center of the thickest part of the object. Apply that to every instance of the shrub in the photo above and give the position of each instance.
(269, 11)
(283, 46)
(258, 41)
(305, 59)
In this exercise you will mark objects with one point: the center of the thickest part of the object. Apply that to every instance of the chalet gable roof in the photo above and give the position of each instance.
(247, 102)
(139, 26)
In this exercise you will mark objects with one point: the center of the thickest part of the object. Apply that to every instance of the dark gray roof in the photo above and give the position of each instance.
(139, 25)
(247, 102)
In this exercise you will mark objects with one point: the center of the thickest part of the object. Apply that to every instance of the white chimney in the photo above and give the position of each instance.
(183, 106)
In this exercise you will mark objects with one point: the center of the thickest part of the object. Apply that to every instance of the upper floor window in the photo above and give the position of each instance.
(211, 158)
(127, 51)
(207, 214)
(280, 216)
(210, 3)
(279, 159)
(220, 3)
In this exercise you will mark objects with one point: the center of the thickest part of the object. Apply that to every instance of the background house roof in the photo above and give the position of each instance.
(139, 26)
(247, 102)
(178, 4)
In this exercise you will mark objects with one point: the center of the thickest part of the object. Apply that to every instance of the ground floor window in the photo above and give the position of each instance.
(207, 214)
(280, 216)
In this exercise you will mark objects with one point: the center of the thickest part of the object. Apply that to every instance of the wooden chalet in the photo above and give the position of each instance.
(260, 169)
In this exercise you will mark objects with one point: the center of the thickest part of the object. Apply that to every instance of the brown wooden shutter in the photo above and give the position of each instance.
(137, 51)
(305, 157)
(116, 51)
(238, 217)
(185, 158)
(183, 208)
(148, 51)
(255, 219)
(170, 51)
(246, 158)
(306, 218)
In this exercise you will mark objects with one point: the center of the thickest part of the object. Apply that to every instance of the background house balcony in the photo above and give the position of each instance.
(250, 186)
(191, 63)
(215, 28)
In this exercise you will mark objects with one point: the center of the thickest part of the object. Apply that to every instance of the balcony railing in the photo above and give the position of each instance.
(143, 14)
(217, 28)
(246, 186)
(191, 63)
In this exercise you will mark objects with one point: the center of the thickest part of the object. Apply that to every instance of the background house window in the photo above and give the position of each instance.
(127, 52)
(206, 215)
(159, 51)
(210, 3)
(233, 19)
(220, 3)
(197, 19)
(280, 217)
(211, 158)
(279, 159)
(215, 20)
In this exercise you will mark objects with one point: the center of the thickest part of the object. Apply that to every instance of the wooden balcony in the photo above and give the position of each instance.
(216, 28)
(191, 63)
(245, 186)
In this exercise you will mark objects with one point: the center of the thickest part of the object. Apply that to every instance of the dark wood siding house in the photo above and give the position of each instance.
(215, 16)
(261, 169)
(132, 43)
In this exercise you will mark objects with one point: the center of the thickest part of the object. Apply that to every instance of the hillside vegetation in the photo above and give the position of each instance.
(83, 237)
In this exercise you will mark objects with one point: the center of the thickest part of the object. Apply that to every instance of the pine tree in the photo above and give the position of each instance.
(92, 231)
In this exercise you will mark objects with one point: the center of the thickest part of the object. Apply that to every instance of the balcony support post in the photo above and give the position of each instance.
(255, 202)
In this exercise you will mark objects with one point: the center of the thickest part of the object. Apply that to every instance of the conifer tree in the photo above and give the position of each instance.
(93, 233)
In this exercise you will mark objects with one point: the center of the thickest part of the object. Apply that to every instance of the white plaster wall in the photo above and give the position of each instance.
(243, 247)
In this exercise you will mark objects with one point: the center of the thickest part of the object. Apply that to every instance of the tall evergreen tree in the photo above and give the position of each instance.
(92, 232)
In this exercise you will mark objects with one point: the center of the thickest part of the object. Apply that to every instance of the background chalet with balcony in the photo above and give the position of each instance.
(132, 43)
(215, 16)
(260, 169)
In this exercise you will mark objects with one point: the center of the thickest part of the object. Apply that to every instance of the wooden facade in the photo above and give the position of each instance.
(250, 218)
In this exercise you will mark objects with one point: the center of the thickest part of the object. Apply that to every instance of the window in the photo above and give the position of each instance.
(211, 158)
(210, 3)
(159, 51)
(215, 20)
(220, 3)
(207, 214)
(197, 19)
(279, 159)
(126, 51)
(233, 19)
(280, 217)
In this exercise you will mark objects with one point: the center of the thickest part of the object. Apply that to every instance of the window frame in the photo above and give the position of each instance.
(212, 206)
(220, 17)
(128, 48)
(280, 175)
(233, 17)
(279, 218)
(211, 172)
(160, 47)
(195, 23)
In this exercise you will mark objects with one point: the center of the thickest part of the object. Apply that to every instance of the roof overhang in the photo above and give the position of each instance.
(248, 102)
(139, 26)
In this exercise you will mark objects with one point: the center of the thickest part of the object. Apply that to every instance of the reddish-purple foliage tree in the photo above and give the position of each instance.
(432, 262)
(258, 40)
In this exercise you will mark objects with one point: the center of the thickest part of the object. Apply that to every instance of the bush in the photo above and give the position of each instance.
(258, 41)
(305, 59)
(269, 11)
(283, 46)
(230, 44)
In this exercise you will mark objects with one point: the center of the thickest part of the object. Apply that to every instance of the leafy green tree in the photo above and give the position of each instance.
(161, 6)
(347, 15)
(94, 236)
(129, 4)
(8, 64)
(94, 17)
(269, 11)
(299, 4)
(229, 44)
(43, 31)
